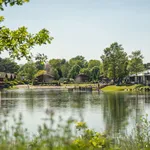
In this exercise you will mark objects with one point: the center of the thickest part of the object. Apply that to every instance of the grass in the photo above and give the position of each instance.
(114, 88)
(81, 85)
(62, 137)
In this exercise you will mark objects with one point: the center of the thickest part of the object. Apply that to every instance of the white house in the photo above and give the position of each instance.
(140, 78)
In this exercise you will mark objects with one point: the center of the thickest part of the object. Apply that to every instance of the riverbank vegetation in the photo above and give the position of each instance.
(70, 135)
(130, 88)
(113, 66)
(65, 72)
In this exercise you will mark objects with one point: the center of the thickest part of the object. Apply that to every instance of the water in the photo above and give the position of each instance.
(115, 112)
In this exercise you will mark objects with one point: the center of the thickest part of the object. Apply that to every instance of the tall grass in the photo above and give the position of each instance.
(62, 137)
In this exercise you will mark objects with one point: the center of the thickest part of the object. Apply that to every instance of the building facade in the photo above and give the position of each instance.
(140, 78)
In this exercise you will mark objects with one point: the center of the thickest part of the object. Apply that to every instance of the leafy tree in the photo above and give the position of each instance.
(55, 73)
(136, 62)
(19, 42)
(40, 61)
(57, 64)
(9, 66)
(115, 62)
(4, 3)
(65, 69)
(95, 73)
(42, 58)
(29, 71)
(92, 63)
(85, 71)
(74, 71)
(78, 60)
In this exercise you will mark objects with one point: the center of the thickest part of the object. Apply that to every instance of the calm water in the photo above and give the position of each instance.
(116, 112)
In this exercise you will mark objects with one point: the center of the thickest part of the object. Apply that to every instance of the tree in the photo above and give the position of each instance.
(85, 71)
(11, 3)
(19, 42)
(40, 61)
(115, 62)
(55, 73)
(8, 65)
(57, 64)
(65, 69)
(74, 71)
(29, 71)
(136, 62)
(95, 73)
(92, 63)
(78, 60)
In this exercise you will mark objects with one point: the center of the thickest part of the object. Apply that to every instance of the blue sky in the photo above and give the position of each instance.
(85, 27)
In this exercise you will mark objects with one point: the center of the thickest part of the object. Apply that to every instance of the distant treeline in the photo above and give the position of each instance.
(114, 64)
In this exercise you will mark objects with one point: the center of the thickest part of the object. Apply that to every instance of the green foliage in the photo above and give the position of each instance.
(28, 71)
(78, 60)
(85, 71)
(95, 73)
(74, 71)
(136, 62)
(55, 74)
(115, 62)
(40, 72)
(40, 61)
(64, 136)
(92, 63)
(65, 70)
(8, 65)
(11, 3)
(49, 137)
(19, 42)
(139, 139)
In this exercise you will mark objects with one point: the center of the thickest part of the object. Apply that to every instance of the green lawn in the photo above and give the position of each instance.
(112, 88)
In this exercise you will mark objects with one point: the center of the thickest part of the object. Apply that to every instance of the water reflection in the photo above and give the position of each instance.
(115, 112)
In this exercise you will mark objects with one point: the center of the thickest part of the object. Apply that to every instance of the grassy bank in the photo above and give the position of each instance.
(114, 88)
(63, 137)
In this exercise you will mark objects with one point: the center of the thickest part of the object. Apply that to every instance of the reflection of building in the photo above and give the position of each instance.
(141, 78)
(82, 78)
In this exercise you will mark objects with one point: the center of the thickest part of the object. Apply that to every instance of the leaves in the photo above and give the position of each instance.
(5, 3)
(136, 62)
(115, 61)
(19, 42)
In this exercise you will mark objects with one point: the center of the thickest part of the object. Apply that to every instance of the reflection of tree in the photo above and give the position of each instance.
(115, 112)
(137, 102)
(8, 102)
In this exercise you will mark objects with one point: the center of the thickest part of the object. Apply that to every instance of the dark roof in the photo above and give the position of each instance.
(44, 74)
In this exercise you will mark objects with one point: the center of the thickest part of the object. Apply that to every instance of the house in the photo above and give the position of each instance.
(8, 76)
(44, 78)
(140, 78)
(82, 78)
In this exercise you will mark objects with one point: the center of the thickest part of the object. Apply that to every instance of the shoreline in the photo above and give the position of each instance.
(83, 87)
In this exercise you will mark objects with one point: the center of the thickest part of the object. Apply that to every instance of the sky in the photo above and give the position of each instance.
(85, 27)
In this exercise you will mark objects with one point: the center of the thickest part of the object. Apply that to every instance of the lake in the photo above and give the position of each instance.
(114, 112)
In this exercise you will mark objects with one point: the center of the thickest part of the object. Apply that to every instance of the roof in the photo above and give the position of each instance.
(4, 74)
(146, 72)
(45, 74)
